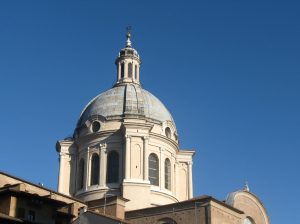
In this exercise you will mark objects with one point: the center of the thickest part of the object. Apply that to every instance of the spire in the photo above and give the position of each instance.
(128, 36)
(128, 63)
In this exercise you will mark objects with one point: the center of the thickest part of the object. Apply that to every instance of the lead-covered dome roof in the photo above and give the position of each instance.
(126, 100)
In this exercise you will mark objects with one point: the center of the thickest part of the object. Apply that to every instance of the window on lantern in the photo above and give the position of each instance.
(153, 169)
(95, 170)
(80, 174)
(129, 70)
(122, 70)
(113, 167)
(167, 174)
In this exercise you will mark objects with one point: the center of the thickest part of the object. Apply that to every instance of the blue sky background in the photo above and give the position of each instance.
(228, 71)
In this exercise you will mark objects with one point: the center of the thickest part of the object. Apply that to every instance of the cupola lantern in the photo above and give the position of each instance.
(128, 64)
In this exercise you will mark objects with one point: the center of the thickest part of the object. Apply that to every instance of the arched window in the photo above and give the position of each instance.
(113, 167)
(166, 221)
(168, 132)
(95, 170)
(129, 70)
(167, 174)
(153, 169)
(135, 72)
(80, 174)
(122, 70)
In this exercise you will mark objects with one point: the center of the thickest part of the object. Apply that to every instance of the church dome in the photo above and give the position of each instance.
(126, 100)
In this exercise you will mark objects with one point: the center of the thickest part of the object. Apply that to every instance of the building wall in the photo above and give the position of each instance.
(134, 140)
(191, 215)
(5, 202)
(44, 213)
(222, 215)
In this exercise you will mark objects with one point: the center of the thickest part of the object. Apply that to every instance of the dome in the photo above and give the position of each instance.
(127, 100)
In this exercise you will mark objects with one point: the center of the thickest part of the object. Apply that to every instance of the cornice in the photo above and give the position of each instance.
(165, 139)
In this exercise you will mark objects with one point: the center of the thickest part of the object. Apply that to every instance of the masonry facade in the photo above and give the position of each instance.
(126, 144)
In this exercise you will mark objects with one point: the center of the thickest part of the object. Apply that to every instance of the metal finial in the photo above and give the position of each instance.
(128, 35)
(246, 187)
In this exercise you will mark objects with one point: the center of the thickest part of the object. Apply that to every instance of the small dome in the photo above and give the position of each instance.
(126, 100)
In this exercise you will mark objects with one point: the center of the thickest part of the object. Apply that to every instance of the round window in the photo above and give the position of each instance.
(95, 126)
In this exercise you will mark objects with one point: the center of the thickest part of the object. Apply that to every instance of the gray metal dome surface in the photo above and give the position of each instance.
(127, 99)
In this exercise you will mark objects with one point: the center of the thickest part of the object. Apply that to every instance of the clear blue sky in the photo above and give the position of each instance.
(228, 71)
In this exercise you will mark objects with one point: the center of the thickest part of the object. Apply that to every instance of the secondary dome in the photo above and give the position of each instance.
(126, 100)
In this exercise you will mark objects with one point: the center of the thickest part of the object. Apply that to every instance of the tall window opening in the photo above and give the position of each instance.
(135, 72)
(168, 132)
(113, 167)
(80, 174)
(122, 70)
(95, 170)
(167, 174)
(129, 70)
(153, 169)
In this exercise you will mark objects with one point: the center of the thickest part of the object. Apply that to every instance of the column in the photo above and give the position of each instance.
(190, 179)
(161, 170)
(103, 165)
(125, 70)
(146, 142)
(86, 169)
(127, 157)
(175, 176)
(99, 154)
(138, 73)
(119, 71)
(62, 158)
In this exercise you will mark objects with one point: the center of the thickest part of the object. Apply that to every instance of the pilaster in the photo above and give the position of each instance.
(103, 164)
(86, 169)
(127, 156)
(190, 179)
(146, 174)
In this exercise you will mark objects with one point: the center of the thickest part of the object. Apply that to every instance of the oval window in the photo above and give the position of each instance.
(96, 126)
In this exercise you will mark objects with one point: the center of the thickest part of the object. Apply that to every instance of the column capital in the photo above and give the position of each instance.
(146, 138)
(128, 136)
(63, 154)
(103, 145)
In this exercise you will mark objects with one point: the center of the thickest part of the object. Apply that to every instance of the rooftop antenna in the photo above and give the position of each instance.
(128, 35)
